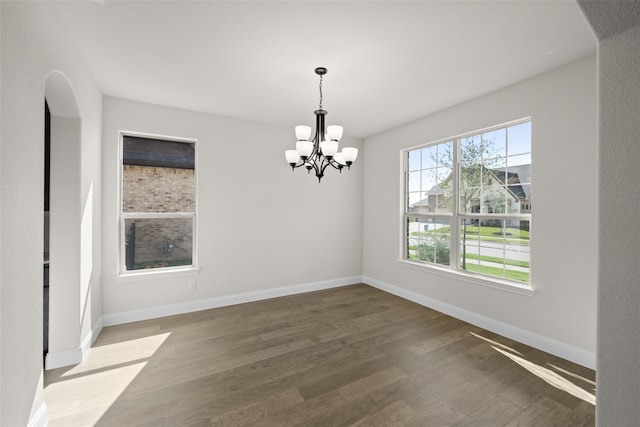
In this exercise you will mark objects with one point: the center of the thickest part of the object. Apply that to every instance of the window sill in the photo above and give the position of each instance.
(134, 276)
(502, 285)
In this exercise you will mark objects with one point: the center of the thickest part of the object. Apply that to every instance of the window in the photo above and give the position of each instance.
(467, 204)
(158, 204)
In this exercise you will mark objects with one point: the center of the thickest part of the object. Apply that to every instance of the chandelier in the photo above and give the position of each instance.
(320, 152)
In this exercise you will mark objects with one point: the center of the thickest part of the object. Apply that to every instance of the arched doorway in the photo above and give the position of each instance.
(64, 228)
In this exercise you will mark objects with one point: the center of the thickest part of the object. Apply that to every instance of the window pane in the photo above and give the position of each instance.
(519, 160)
(158, 189)
(520, 174)
(488, 178)
(495, 200)
(494, 144)
(498, 248)
(525, 204)
(445, 154)
(470, 200)
(445, 194)
(414, 181)
(429, 180)
(470, 176)
(444, 175)
(444, 201)
(470, 151)
(429, 156)
(519, 137)
(414, 160)
(496, 164)
(428, 240)
(413, 202)
(158, 242)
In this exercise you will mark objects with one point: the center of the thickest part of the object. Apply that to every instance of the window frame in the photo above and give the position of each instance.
(182, 270)
(455, 217)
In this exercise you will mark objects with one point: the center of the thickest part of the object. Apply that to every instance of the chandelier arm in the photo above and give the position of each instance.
(326, 163)
(298, 165)
(316, 151)
(336, 165)
(318, 170)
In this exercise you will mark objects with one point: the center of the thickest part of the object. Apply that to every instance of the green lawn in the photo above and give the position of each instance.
(514, 262)
(512, 235)
(519, 276)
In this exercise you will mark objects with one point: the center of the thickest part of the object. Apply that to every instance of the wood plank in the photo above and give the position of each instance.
(544, 412)
(377, 380)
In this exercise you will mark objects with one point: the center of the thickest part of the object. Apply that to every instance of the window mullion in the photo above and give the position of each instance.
(405, 206)
(454, 251)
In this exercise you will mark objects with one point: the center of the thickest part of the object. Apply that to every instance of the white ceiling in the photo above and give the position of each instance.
(389, 62)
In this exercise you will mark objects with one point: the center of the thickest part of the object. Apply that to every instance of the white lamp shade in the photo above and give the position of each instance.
(340, 159)
(292, 156)
(329, 148)
(303, 133)
(304, 148)
(334, 132)
(349, 154)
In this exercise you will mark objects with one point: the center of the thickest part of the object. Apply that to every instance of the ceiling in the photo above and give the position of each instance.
(389, 62)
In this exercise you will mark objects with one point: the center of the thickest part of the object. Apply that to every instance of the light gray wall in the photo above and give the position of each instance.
(64, 271)
(617, 25)
(562, 104)
(33, 46)
(619, 260)
(260, 225)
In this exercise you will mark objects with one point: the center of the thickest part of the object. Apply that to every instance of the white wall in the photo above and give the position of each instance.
(64, 270)
(33, 46)
(562, 104)
(260, 225)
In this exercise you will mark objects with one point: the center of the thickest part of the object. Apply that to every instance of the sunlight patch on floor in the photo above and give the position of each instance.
(495, 343)
(118, 353)
(579, 377)
(95, 384)
(551, 377)
(92, 395)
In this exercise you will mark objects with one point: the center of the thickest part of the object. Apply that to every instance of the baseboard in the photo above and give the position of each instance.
(40, 417)
(205, 304)
(91, 338)
(549, 345)
(63, 358)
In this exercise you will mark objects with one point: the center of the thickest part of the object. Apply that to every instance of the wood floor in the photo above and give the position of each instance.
(346, 356)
